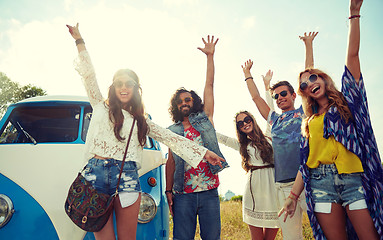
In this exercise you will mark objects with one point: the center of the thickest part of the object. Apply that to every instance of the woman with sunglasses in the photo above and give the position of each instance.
(286, 135)
(341, 169)
(259, 208)
(107, 137)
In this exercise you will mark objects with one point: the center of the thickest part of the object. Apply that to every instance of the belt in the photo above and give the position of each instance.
(252, 168)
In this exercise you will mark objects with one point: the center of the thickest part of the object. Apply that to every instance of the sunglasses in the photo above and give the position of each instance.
(128, 84)
(186, 100)
(241, 123)
(312, 78)
(283, 94)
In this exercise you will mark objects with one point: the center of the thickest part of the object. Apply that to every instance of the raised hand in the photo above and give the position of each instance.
(247, 66)
(213, 158)
(308, 40)
(308, 37)
(267, 79)
(74, 31)
(209, 48)
(355, 6)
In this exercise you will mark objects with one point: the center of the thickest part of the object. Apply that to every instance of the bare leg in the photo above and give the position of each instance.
(127, 219)
(256, 233)
(107, 232)
(270, 233)
(333, 224)
(362, 223)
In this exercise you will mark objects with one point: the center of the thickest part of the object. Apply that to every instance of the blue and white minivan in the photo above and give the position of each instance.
(41, 152)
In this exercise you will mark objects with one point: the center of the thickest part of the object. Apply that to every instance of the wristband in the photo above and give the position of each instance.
(354, 16)
(168, 191)
(248, 78)
(79, 41)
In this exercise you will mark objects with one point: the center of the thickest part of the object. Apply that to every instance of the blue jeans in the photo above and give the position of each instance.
(104, 173)
(186, 207)
(331, 187)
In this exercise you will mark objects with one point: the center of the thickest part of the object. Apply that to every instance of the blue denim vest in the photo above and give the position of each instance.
(202, 124)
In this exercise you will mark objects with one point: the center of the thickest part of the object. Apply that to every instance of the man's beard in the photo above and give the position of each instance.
(185, 111)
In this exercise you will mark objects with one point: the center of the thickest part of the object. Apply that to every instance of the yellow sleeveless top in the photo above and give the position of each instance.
(329, 151)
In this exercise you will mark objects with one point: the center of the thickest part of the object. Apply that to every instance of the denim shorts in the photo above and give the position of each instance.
(330, 187)
(104, 173)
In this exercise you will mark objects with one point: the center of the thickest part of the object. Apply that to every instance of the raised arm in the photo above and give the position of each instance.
(352, 59)
(266, 81)
(308, 40)
(261, 104)
(208, 93)
(74, 31)
(85, 68)
(269, 100)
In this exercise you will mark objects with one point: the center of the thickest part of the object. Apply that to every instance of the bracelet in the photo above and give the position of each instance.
(248, 78)
(168, 191)
(292, 198)
(79, 41)
(354, 16)
(296, 196)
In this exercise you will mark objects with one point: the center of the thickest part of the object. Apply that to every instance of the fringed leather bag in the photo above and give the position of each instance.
(87, 208)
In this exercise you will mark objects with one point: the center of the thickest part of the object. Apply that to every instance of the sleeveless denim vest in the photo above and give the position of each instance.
(202, 124)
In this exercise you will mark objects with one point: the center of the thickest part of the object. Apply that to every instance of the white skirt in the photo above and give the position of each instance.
(259, 206)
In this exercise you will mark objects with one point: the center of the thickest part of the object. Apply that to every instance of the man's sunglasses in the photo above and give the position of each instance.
(241, 123)
(283, 94)
(312, 78)
(186, 100)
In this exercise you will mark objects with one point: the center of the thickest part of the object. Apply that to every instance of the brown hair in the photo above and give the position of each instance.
(257, 139)
(135, 107)
(335, 98)
(175, 113)
(283, 83)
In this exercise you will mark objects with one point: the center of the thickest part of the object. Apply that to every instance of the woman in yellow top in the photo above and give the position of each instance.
(340, 165)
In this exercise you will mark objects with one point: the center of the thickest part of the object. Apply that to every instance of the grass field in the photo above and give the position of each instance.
(233, 228)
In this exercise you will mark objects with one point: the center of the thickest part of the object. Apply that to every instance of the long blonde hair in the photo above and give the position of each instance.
(258, 140)
(335, 98)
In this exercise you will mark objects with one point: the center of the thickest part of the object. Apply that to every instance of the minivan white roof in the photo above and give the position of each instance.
(56, 98)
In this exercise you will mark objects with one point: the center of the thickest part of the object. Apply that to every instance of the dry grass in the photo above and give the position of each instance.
(234, 228)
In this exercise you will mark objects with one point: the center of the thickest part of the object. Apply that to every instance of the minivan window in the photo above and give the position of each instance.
(86, 121)
(42, 125)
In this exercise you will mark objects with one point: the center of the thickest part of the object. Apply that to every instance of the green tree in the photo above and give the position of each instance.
(237, 198)
(11, 92)
(7, 90)
(28, 91)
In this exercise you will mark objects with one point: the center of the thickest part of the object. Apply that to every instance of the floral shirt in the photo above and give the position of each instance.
(200, 178)
(286, 135)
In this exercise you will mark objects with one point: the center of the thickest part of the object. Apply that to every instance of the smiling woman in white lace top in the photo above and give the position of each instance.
(107, 136)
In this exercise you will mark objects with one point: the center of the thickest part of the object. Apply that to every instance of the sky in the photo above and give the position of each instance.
(158, 39)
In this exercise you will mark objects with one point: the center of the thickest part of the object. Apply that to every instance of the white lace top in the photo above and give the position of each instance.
(255, 158)
(101, 140)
